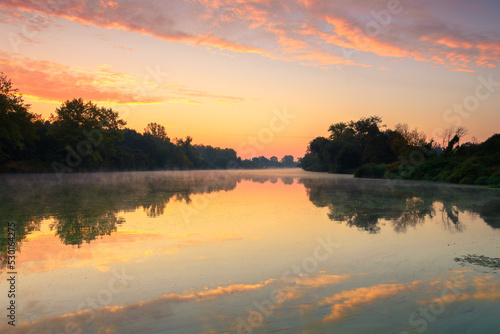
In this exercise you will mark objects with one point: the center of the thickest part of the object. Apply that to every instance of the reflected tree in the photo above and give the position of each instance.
(364, 203)
(22, 230)
(450, 215)
(87, 206)
(364, 220)
(415, 213)
(77, 228)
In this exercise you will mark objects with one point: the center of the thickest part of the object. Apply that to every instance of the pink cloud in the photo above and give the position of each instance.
(312, 32)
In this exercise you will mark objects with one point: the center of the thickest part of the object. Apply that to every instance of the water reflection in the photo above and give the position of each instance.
(322, 302)
(255, 240)
(74, 229)
(88, 206)
(365, 203)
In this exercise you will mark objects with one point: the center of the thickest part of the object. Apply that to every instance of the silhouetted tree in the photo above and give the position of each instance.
(156, 130)
(412, 137)
(17, 124)
(86, 132)
(288, 161)
(452, 136)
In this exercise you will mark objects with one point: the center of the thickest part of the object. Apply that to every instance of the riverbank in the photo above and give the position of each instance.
(474, 170)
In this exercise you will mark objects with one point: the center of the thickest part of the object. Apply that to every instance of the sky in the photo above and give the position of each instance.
(263, 77)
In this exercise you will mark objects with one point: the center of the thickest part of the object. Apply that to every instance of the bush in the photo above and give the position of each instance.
(482, 181)
(371, 171)
(431, 170)
(494, 181)
(468, 173)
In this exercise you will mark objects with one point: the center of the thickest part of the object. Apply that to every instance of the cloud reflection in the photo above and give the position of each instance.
(163, 311)
(346, 303)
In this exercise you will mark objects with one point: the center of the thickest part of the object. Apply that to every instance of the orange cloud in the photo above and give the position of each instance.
(217, 292)
(52, 82)
(450, 48)
(322, 280)
(302, 284)
(49, 81)
(220, 43)
(289, 46)
(347, 302)
(348, 36)
(463, 70)
(448, 42)
(479, 288)
(456, 52)
(487, 289)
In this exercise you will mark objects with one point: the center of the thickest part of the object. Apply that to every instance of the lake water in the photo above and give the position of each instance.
(268, 251)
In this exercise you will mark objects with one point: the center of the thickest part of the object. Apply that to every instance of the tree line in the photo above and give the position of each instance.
(82, 136)
(366, 149)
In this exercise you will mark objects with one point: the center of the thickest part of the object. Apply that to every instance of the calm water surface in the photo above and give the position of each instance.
(273, 251)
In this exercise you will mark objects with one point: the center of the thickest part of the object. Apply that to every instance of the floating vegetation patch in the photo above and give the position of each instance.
(480, 260)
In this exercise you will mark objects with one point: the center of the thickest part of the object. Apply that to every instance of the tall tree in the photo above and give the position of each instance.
(17, 124)
(412, 137)
(84, 129)
(288, 161)
(78, 114)
(452, 136)
(341, 131)
(156, 130)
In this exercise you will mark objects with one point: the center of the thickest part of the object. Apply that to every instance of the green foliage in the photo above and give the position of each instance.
(78, 114)
(144, 152)
(370, 171)
(468, 164)
(311, 162)
(349, 158)
(363, 148)
(352, 145)
(480, 260)
(86, 133)
(215, 157)
(467, 173)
